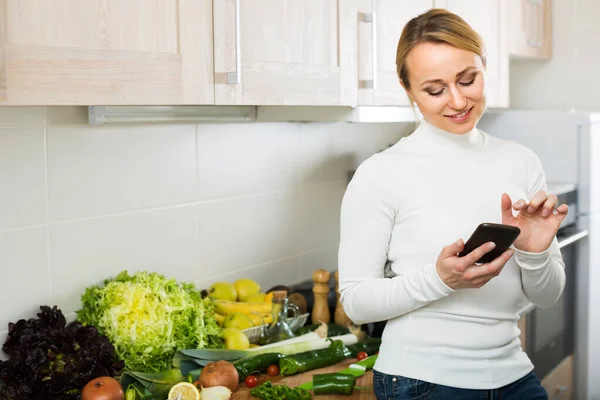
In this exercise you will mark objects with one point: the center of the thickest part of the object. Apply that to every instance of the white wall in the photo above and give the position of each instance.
(200, 203)
(570, 79)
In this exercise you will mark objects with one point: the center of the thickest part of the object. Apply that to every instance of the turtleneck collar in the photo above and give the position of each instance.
(440, 140)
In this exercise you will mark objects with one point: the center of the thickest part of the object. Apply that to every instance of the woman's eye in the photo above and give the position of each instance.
(467, 83)
(435, 94)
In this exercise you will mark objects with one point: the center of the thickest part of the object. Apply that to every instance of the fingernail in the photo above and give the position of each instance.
(511, 252)
(530, 210)
(545, 213)
(492, 245)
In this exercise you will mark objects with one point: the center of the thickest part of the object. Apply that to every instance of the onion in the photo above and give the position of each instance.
(215, 393)
(103, 388)
(219, 373)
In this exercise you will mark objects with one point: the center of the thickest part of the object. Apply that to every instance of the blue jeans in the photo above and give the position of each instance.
(390, 387)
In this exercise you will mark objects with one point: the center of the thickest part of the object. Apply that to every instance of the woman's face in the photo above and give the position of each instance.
(447, 84)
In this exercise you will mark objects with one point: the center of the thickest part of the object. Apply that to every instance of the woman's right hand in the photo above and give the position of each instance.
(462, 273)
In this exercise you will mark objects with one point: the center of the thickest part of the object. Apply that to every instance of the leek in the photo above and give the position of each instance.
(309, 341)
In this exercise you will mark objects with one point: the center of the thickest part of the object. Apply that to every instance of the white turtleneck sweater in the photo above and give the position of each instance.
(406, 203)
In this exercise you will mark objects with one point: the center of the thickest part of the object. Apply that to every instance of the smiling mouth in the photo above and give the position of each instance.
(461, 115)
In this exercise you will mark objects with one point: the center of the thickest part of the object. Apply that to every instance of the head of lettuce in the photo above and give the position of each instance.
(147, 317)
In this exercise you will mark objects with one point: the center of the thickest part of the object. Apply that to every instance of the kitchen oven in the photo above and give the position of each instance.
(550, 333)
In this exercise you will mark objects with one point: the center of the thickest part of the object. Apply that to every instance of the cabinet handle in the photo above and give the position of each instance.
(370, 83)
(573, 238)
(560, 389)
(235, 78)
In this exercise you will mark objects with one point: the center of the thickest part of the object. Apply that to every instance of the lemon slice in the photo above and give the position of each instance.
(185, 391)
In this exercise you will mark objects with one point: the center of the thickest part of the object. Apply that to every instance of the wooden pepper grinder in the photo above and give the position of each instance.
(339, 316)
(320, 311)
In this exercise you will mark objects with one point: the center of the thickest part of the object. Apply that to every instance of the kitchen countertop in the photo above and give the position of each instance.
(364, 381)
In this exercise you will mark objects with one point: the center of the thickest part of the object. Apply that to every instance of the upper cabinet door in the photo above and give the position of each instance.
(285, 52)
(489, 19)
(531, 29)
(106, 52)
(383, 21)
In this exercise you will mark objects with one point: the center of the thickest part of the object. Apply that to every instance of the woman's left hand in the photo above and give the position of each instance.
(538, 220)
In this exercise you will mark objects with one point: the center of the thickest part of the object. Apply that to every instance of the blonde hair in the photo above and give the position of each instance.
(436, 26)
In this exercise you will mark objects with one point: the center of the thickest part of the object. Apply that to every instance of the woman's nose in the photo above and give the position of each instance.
(457, 100)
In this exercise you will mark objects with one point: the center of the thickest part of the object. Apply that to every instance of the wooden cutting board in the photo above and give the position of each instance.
(364, 381)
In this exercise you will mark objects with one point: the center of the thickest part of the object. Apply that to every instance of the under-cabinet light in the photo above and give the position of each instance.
(99, 115)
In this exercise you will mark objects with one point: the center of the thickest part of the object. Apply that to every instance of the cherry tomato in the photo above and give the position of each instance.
(361, 355)
(250, 381)
(273, 370)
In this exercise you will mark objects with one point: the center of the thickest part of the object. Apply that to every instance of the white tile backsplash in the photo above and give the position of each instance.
(328, 151)
(235, 160)
(103, 170)
(323, 259)
(25, 282)
(198, 203)
(279, 272)
(22, 116)
(88, 251)
(321, 218)
(22, 177)
(236, 233)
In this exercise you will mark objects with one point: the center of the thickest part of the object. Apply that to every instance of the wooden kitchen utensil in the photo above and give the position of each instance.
(320, 311)
(339, 316)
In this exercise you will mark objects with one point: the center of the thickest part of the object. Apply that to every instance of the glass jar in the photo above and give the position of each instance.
(280, 329)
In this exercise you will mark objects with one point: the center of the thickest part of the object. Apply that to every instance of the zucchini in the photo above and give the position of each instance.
(259, 363)
(309, 360)
(368, 345)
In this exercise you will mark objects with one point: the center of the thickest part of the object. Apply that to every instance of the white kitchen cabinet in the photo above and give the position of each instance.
(285, 52)
(489, 19)
(106, 52)
(530, 29)
(380, 26)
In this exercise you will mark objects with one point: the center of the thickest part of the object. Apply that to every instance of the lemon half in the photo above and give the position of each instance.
(186, 390)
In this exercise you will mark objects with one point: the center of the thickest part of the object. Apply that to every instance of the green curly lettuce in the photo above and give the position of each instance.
(148, 317)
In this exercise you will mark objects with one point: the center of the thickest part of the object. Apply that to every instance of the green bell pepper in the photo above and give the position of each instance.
(333, 383)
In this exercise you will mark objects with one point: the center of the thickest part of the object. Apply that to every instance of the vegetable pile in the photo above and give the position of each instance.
(148, 317)
(50, 360)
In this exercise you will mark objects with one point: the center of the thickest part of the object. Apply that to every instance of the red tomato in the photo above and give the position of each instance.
(250, 381)
(361, 355)
(273, 370)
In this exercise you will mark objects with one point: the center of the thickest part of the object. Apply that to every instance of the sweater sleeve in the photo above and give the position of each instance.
(368, 212)
(542, 274)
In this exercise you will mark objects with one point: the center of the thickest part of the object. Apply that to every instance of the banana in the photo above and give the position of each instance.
(260, 319)
(269, 297)
(226, 307)
(219, 318)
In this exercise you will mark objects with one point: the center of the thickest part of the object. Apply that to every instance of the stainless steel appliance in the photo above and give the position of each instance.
(568, 145)
(550, 333)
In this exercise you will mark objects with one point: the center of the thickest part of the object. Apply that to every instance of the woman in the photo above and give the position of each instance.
(451, 330)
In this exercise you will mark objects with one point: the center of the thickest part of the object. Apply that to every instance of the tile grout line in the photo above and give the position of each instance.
(196, 203)
(196, 213)
(290, 257)
(48, 257)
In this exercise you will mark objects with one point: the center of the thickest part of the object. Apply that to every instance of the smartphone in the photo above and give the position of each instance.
(502, 235)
